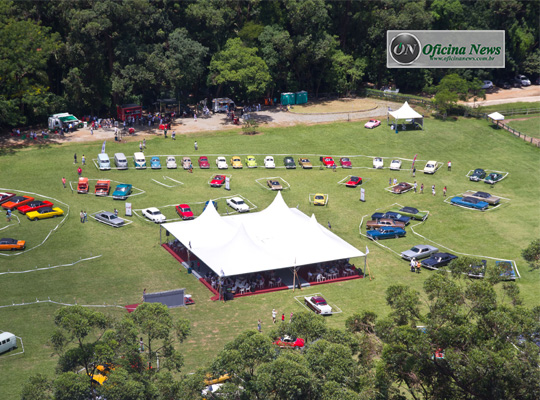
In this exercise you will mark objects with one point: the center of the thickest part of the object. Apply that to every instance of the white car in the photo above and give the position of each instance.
(221, 163)
(487, 85)
(269, 162)
(238, 204)
(395, 165)
(522, 80)
(153, 214)
(171, 162)
(431, 167)
(318, 304)
(378, 163)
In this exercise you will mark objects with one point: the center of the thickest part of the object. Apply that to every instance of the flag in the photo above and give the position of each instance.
(103, 146)
(367, 251)
(413, 161)
(190, 244)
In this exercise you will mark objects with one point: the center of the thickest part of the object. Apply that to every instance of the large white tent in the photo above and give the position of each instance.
(406, 113)
(275, 238)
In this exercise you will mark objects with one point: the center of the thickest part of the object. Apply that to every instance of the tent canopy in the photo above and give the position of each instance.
(496, 116)
(275, 238)
(405, 112)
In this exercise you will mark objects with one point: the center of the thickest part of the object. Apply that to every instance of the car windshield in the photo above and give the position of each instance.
(186, 209)
(430, 166)
(122, 189)
(319, 197)
(238, 202)
(378, 159)
(354, 178)
(344, 159)
(415, 250)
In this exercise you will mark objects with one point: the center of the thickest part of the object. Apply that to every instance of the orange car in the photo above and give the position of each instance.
(82, 186)
(12, 244)
(16, 202)
(103, 187)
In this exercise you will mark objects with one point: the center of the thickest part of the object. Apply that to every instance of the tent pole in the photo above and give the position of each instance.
(160, 228)
(369, 270)
(293, 279)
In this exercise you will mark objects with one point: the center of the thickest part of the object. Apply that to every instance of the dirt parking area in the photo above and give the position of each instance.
(514, 95)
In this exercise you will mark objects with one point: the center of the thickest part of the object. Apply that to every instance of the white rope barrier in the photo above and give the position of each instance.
(59, 303)
(49, 267)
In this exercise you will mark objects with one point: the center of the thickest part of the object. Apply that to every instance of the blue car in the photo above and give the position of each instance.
(386, 232)
(392, 215)
(469, 202)
(122, 191)
(155, 163)
(213, 202)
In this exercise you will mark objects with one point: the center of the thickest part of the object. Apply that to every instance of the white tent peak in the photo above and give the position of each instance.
(496, 116)
(278, 206)
(210, 212)
(405, 112)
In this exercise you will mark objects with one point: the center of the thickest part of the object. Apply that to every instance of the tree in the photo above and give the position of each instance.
(239, 67)
(532, 254)
(38, 387)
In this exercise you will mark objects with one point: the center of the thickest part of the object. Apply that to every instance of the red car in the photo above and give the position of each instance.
(287, 342)
(345, 162)
(4, 196)
(16, 202)
(218, 181)
(34, 205)
(184, 211)
(354, 181)
(203, 162)
(402, 187)
(328, 162)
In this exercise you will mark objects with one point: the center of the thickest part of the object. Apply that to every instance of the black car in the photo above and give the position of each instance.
(477, 175)
(438, 260)
(503, 84)
(289, 163)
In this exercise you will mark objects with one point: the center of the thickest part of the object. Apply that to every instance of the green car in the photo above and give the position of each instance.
(411, 212)
(122, 191)
(251, 162)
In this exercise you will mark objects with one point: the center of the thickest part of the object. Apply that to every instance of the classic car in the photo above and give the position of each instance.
(184, 211)
(287, 342)
(493, 178)
(386, 232)
(392, 215)
(274, 185)
(354, 181)
(186, 162)
(154, 215)
(431, 167)
(171, 162)
(82, 185)
(16, 202)
(345, 162)
(328, 162)
(478, 269)
(522, 80)
(236, 203)
(319, 199)
(412, 212)
(438, 260)
(378, 163)
(506, 269)
(12, 244)
(477, 175)
(221, 163)
(102, 188)
(395, 165)
(305, 163)
(251, 162)
(269, 162)
(318, 304)
(122, 191)
(203, 162)
(109, 218)
(401, 187)
(419, 251)
(34, 205)
(236, 162)
(289, 163)
(469, 202)
(4, 196)
(372, 123)
(214, 203)
(155, 163)
(217, 181)
(44, 213)
(377, 223)
(484, 196)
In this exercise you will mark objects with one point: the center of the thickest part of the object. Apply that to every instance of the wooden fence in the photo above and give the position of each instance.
(379, 94)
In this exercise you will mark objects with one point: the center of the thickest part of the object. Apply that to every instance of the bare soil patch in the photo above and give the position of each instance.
(335, 106)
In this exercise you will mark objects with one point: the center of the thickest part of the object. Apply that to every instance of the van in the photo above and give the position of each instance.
(103, 161)
(140, 161)
(8, 341)
(120, 161)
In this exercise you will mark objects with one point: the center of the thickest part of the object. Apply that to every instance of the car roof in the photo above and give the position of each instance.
(409, 209)
(152, 209)
(236, 199)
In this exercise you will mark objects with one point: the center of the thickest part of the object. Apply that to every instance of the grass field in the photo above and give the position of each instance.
(132, 258)
(529, 126)
(509, 106)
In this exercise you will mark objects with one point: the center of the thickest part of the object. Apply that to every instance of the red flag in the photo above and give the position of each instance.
(413, 161)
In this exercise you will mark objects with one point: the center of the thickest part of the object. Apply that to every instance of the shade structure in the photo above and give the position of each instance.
(277, 237)
(496, 116)
(405, 112)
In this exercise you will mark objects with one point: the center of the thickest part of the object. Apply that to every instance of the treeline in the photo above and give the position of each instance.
(87, 56)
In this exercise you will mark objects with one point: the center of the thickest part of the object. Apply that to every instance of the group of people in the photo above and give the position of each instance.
(415, 265)
(274, 318)
(84, 217)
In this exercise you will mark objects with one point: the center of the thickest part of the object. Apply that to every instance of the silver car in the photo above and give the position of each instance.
(419, 251)
(109, 218)
(488, 198)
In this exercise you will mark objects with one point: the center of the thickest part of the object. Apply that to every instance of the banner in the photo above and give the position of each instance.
(362, 194)
(413, 161)
(227, 183)
(128, 210)
(103, 146)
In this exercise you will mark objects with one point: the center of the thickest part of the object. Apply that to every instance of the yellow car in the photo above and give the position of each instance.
(236, 162)
(43, 213)
(319, 199)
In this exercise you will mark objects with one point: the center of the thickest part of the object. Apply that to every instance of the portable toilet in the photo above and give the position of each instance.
(301, 97)
(287, 98)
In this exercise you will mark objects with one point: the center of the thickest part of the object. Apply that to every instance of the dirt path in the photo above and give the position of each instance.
(514, 95)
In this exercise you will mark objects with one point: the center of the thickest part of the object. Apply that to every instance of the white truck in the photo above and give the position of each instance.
(59, 122)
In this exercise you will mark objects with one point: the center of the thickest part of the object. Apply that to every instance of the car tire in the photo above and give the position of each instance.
(35, 219)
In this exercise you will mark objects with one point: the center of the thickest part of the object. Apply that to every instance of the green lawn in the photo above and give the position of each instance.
(132, 258)
(530, 126)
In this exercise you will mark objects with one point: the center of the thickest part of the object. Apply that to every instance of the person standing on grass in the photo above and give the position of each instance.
(81, 215)
(79, 171)
(140, 146)
(449, 165)
(85, 217)
(144, 143)
(259, 325)
(83, 160)
(8, 215)
(75, 158)
(389, 181)
(422, 188)
(414, 172)
(196, 146)
(444, 191)
(274, 313)
(414, 186)
(64, 181)
(283, 317)
(433, 190)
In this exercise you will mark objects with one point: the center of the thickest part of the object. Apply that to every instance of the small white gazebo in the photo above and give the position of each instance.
(406, 115)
